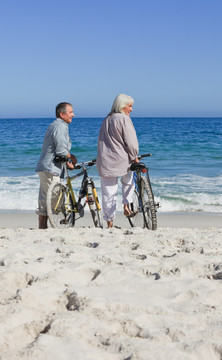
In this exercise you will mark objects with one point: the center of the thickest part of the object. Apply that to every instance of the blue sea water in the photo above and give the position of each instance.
(185, 167)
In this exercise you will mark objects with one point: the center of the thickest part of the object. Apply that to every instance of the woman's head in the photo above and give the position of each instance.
(122, 104)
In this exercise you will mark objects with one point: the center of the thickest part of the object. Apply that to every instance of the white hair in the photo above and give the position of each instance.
(120, 102)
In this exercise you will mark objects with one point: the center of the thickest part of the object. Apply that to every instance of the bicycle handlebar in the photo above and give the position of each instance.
(63, 159)
(143, 155)
(87, 163)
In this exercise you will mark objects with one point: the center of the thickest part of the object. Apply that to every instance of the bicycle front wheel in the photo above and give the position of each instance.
(60, 208)
(94, 206)
(149, 210)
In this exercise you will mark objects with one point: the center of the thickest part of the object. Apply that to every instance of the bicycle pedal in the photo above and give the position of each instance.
(81, 213)
(63, 222)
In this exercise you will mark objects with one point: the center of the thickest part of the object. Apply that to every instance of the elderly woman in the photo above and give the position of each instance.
(117, 148)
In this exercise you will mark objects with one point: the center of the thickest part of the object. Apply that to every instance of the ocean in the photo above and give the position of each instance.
(185, 167)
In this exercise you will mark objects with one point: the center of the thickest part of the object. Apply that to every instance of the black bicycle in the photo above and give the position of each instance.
(143, 205)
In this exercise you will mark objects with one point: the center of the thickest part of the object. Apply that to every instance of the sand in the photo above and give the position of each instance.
(106, 294)
(177, 220)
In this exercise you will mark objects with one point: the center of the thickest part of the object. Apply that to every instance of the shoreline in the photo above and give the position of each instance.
(28, 219)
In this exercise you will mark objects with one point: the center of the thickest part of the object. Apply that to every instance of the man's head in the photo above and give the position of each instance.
(65, 112)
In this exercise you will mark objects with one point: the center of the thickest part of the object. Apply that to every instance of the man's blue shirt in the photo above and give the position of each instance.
(56, 142)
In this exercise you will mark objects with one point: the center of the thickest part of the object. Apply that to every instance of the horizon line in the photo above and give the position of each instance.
(133, 117)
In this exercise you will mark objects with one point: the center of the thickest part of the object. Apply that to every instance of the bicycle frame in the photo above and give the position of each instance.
(83, 189)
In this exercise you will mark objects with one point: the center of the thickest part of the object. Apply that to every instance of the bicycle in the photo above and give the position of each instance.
(62, 205)
(143, 205)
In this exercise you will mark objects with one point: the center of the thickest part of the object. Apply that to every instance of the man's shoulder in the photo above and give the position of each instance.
(58, 124)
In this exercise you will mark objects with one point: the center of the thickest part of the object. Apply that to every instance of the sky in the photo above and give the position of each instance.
(166, 54)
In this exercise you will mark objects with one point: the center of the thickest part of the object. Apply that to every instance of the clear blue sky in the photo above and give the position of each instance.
(166, 54)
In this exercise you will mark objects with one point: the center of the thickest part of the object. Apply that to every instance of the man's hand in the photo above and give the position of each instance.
(70, 166)
(71, 161)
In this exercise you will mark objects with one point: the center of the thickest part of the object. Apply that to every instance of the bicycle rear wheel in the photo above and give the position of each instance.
(94, 207)
(137, 207)
(149, 210)
(60, 208)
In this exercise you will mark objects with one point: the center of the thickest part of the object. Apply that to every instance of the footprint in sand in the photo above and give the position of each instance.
(185, 296)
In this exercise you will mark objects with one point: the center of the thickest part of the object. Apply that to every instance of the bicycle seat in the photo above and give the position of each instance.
(60, 158)
(137, 166)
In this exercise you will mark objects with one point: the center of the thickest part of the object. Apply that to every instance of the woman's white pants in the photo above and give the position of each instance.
(109, 188)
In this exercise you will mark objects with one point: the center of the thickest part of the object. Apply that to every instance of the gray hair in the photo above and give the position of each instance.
(61, 108)
(120, 102)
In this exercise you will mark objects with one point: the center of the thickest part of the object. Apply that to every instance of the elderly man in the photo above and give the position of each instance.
(56, 142)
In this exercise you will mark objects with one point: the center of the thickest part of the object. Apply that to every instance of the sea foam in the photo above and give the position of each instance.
(183, 193)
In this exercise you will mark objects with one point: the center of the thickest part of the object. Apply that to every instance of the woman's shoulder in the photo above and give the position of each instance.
(119, 117)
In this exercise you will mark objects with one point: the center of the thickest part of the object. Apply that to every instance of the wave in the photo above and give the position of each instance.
(21, 193)
(189, 193)
(179, 193)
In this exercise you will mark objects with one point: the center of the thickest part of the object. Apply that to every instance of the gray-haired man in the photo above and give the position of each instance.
(56, 142)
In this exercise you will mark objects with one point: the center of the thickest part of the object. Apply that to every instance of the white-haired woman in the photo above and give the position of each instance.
(117, 148)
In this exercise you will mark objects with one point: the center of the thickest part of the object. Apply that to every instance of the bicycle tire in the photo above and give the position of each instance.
(60, 208)
(149, 210)
(137, 208)
(93, 207)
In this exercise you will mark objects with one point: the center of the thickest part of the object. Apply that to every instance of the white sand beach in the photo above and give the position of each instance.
(111, 294)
